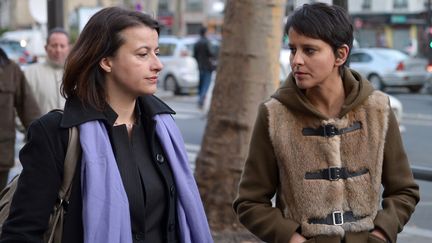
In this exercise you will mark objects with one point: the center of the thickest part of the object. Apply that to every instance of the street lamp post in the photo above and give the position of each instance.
(55, 13)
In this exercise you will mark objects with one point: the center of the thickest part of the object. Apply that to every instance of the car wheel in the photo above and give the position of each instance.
(171, 84)
(415, 88)
(376, 82)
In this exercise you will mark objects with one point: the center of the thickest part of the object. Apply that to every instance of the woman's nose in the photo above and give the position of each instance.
(297, 58)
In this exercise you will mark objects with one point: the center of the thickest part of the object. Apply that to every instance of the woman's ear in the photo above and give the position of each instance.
(342, 54)
(105, 64)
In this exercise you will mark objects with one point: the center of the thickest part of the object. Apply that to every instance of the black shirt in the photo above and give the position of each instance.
(140, 179)
(147, 182)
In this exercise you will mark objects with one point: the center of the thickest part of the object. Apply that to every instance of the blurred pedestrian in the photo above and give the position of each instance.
(45, 78)
(204, 58)
(323, 145)
(15, 98)
(134, 183)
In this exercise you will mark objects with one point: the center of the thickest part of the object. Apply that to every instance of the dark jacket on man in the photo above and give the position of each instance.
(203, 54)
(15, 98)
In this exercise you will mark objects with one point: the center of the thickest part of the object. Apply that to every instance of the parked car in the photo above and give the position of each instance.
(397, 108)
(428, 85)
(16, 52)
(385, 67)
(284, 62)
(180, 72)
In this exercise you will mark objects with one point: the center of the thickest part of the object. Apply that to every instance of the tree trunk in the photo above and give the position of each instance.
(248, 69)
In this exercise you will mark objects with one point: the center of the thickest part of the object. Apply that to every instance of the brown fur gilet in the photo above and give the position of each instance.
(297, 154)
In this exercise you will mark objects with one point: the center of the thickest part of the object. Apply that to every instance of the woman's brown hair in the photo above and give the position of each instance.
(101, 37)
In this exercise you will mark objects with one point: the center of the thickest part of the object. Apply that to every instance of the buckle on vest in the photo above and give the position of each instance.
(334, 173)
(329, 130)
(337, 218)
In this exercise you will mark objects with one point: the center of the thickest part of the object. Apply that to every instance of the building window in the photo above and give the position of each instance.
(366, 5)
(400, 3)
(163, 5)
(194, 5)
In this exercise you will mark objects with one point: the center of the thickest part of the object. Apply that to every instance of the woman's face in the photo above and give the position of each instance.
(134, 69)
(313, 61)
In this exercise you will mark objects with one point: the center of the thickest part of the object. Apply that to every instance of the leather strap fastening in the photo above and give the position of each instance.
(334, 173)
(336, 218)
(330, 130)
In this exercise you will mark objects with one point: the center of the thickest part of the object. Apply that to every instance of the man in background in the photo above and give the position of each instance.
(45, 78)
(203, 56)
(15, 98)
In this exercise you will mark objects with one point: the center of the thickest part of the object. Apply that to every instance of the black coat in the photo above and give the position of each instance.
(203, 54)
(42, 159)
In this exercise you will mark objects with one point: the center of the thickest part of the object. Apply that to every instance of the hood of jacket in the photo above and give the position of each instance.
(357, 89)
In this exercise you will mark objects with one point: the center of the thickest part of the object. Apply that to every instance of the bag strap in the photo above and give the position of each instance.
(72, 154)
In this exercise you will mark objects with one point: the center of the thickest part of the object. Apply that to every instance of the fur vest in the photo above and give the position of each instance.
(357, 150)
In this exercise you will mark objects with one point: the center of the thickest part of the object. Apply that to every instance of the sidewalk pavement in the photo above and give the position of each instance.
(412, 234)
(163, 93)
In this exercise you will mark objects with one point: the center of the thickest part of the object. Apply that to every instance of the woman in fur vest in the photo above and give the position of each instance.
(324, 144)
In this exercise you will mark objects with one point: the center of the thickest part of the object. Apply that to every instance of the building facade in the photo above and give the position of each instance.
(399, 24)
(179, 17)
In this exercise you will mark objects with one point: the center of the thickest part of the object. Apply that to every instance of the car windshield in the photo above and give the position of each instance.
(10, 52)
(166, 49)
(391, 54)
(190, 47)
(12, 45)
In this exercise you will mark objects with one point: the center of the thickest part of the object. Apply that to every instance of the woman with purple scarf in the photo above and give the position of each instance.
(132, 182)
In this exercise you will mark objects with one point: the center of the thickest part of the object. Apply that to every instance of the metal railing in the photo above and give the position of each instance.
(422, 172)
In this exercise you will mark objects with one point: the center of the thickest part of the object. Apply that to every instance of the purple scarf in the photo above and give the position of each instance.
(106, 217)
(190, 211)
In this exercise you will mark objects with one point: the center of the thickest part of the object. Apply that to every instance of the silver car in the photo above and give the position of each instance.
(16, 52)
(180, 72)
(385, 67)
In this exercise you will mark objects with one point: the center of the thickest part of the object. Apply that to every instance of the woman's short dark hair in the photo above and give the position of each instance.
(101, 37)
(329, 23)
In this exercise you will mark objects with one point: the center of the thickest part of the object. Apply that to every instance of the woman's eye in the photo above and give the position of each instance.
(142, 54)
(309, 51)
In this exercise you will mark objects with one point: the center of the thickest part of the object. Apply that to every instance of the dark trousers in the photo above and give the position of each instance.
(204, 84)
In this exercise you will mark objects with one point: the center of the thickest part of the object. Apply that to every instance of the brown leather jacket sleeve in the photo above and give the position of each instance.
(258, 185)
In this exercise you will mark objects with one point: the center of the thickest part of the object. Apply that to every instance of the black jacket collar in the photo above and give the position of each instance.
(76, 113)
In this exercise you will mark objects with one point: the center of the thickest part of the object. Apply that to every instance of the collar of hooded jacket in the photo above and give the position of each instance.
(356, 87)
